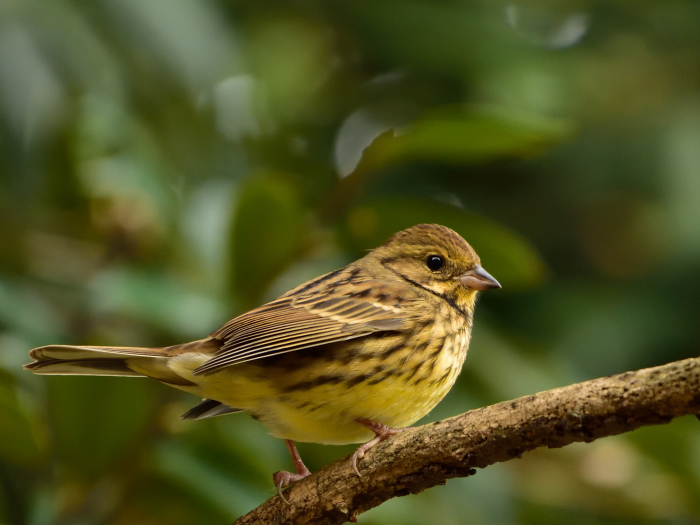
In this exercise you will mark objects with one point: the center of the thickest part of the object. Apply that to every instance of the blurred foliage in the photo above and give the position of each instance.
(167, 165)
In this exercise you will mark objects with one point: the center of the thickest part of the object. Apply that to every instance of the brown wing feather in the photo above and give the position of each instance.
(320, 312)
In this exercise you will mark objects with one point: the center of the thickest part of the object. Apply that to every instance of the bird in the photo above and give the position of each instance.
(353, 356)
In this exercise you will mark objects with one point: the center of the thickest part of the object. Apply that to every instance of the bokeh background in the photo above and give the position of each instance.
(166, 165)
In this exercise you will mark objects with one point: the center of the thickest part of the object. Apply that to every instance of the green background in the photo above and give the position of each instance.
(166, 165)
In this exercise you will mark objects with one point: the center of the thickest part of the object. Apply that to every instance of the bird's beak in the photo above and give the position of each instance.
(478, 279)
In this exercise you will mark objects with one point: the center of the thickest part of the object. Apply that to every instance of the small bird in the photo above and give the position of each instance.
(352, 356)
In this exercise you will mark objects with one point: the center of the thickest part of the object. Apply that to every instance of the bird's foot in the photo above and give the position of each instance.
(381, 432)
(283, 478)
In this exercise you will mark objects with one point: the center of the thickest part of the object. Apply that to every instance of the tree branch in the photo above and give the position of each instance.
(429, 455)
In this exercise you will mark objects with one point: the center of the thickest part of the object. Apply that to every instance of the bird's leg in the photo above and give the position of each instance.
(283, 478)
(381, 432)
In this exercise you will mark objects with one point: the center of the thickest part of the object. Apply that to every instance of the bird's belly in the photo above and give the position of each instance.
(332, 417)
(321, 403)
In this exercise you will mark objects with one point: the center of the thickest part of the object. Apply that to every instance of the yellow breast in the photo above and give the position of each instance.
(317, 395)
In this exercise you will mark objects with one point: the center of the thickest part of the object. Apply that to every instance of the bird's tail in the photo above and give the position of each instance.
(115, 360)
(89, 360)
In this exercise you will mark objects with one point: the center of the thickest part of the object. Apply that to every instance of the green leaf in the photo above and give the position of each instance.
(155, 298)
(20, 309)
(461, 135)
(219, 489)
(267, 229)
(20, 443)
(504, 253)
(95, 419)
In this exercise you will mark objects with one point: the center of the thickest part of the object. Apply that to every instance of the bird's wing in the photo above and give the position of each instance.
(336, 307)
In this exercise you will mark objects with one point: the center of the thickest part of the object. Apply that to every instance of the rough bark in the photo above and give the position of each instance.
(422, 457)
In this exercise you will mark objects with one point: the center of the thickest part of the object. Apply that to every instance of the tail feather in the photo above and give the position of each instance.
(89, 360)
(170, 365)
(92, 367)
(209, 408)
(119, 361)
(73, 352)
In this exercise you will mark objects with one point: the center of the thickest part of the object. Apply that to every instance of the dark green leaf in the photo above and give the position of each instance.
(266, 233)
(504, 253)
(461, 135)
(23, 441)
(96, 420)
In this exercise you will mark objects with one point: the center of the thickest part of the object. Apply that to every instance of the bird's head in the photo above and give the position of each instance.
(437, 259)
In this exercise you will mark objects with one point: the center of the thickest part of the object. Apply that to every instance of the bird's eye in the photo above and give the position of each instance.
(435, 262)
